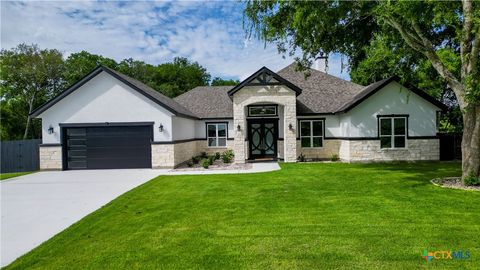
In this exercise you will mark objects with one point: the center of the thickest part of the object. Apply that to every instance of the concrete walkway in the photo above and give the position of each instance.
(37, 206)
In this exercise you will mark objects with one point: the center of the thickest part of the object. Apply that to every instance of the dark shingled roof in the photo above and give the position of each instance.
(321, 93)
(208, 101)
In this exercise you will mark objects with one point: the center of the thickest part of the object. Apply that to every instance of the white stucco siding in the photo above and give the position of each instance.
(394, 98)
(105, 99)
(200, 127)
(183, 128)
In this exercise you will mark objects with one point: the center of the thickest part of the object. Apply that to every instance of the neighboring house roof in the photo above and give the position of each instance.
(208, 101)
(322, 93)
(265, 76)
(164, 101)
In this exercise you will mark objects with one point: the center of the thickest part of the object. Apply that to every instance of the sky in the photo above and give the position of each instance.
(210, 33)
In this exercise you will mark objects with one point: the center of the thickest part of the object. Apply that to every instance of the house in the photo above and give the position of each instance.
(109, 120)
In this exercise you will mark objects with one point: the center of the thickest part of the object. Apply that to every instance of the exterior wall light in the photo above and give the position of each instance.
(51, 130)
(160, 128)
(290, 126)
(239, 128)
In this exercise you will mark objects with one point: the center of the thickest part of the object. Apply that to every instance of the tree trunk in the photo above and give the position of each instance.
(471, 142)
(29, 119)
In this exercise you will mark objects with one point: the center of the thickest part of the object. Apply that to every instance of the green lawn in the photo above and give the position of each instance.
(5, 176)
(307, 216)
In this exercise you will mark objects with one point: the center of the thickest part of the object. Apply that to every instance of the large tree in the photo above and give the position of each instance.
(28, 77)
(217, 81)
(440, 32)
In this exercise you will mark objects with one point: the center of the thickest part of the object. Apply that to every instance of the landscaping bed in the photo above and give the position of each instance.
(453, 182)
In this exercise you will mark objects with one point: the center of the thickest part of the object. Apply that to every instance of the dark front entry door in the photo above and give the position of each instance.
(262, 138)
(108, 147)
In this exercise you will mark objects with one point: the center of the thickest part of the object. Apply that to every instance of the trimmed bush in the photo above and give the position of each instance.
(301, 158)
(203, 155)
(196, 160)
(205, 163)
(211, 159)
(334, 157)
(227, 156)
(471, 180)
(190, 164)
(217, 155)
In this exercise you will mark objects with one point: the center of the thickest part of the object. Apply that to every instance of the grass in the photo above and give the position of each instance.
(306, 216)
(5, 176)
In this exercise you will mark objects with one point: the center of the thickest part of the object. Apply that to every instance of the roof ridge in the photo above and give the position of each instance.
(312, 70)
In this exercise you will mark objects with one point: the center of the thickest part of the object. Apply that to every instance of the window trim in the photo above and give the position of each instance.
(249, 107)
(300, 136)
(392, 118)
(216, 134)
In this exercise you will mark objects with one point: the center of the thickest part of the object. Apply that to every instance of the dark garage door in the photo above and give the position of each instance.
(108, 147)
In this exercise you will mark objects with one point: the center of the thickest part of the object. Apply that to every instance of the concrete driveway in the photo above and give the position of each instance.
(35, 207)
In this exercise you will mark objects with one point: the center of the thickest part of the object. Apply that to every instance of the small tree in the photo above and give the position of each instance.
(28, 77)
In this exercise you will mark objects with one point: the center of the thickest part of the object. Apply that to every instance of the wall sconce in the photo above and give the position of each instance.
(160, 128)
(51, 130)
(290, 126)
(239, 128)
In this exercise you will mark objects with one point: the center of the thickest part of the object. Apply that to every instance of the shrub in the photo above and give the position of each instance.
(205, 163)
(301, 158)
(203, 155)
(334, 157)
(471, 180)
(196, 160)
(211, 159)
(190, 164)
(217, 155)
(227, 156)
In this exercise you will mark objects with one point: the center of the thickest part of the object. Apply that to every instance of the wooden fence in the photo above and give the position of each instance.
(19, 156)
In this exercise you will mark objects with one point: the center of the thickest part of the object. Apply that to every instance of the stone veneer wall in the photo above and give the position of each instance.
(369, 150)
(163, 156)
(50, 157)
(265, 94)
(203, 147)
(330, 147)
(171, 155)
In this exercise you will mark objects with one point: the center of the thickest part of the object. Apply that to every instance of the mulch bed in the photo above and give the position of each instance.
(453, 182)
(217, 165)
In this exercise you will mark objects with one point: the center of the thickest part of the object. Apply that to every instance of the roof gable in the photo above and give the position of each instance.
(164, 101)
(377, 86)
(263, 77)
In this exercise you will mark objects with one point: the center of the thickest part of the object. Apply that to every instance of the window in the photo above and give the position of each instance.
(393, 132)
(311, 133)
(266, 110)
(217, 135)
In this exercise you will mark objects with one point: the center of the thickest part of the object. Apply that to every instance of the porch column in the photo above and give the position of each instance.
(239, 137)
(290, 134)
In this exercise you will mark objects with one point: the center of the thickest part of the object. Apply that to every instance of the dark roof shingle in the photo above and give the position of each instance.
(321, 92)
(208, 101)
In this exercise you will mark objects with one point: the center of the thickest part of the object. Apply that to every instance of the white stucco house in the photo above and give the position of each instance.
(109, 120)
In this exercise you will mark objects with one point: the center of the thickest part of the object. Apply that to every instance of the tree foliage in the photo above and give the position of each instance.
(217, 81)
(29, 76)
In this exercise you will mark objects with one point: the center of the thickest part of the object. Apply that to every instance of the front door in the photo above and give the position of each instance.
(262, 138)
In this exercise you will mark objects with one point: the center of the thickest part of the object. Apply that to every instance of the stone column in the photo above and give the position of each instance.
(290, 135)
(239, 137)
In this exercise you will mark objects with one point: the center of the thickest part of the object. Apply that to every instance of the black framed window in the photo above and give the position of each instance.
(393, 132)
(217, 134)
(262, 110)
(311, 133)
